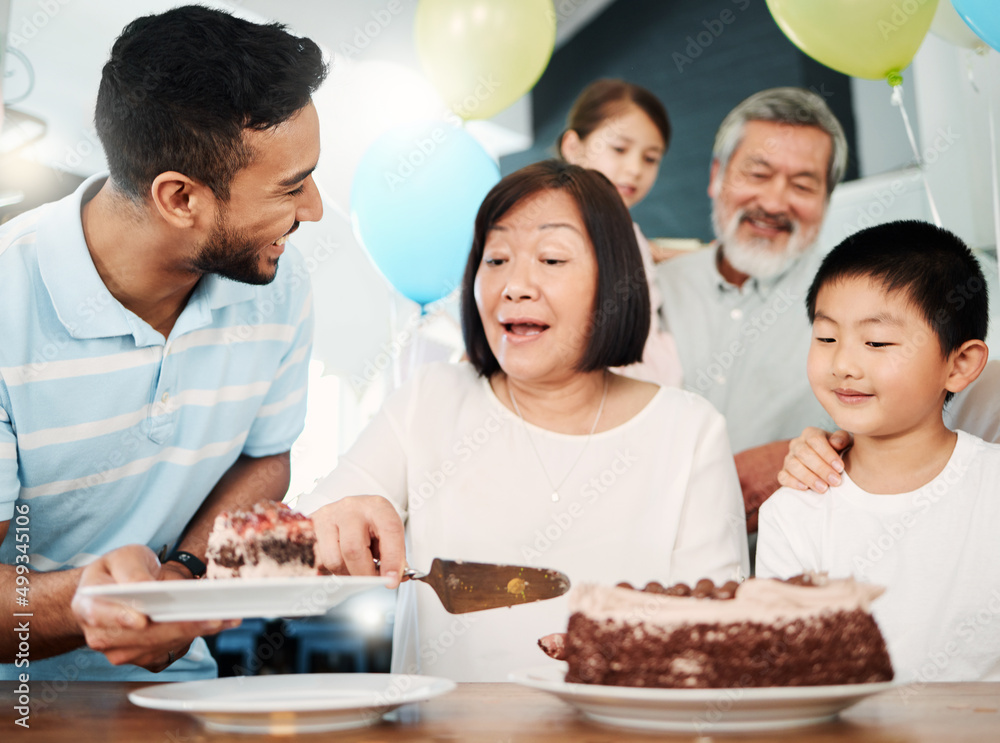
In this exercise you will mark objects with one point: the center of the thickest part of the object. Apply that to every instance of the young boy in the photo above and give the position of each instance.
(899, 314)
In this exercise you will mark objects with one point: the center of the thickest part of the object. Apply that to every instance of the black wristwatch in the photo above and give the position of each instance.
(192, 563)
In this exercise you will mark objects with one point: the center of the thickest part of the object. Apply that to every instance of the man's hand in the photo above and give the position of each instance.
(354, 531)
(174, 571)
(758, 471)
(814, 460)
(123, 634)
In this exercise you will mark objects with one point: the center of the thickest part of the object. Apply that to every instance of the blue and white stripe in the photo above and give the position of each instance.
(111, 434)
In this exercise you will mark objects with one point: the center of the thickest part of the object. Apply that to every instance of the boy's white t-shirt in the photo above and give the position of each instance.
(936, 550)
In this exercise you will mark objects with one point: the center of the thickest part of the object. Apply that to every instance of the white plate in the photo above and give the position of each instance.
(282, 705)
(237, 598)
(700, 710)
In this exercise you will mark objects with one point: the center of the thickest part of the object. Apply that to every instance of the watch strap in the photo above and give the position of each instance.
(191, 562)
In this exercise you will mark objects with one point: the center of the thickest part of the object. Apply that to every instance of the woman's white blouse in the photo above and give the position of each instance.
(656, 498)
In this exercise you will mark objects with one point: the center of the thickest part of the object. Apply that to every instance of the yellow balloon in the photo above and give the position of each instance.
(874, 39)
(482, 55)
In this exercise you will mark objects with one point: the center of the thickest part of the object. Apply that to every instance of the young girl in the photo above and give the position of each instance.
(622, 131)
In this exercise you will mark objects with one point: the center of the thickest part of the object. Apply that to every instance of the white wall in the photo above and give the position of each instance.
(956, 88)
(947, 91)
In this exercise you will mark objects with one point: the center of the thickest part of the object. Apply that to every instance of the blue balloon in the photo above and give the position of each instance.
(983, 17)
(414, 200)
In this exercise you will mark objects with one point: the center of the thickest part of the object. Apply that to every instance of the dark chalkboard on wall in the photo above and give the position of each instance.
(701, 57)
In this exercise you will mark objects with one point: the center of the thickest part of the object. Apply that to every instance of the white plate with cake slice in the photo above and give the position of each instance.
(291, 704)
(236, 598)
(700, 710)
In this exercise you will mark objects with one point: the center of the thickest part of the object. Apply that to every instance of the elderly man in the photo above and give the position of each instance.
(156, 340)
(737, 309)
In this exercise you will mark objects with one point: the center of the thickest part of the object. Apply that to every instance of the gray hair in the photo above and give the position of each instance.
(794, 106)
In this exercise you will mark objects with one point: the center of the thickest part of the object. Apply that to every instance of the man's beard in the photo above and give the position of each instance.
(757, 257)
(234, 255)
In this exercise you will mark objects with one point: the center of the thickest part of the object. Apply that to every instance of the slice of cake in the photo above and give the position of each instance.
(268, 541)
(807, 631)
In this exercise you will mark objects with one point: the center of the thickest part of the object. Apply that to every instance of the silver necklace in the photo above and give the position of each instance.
(555, 488)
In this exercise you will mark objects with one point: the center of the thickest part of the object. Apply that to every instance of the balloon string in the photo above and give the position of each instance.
(417, 344)
(996, 183)
(397, 372)
(970, 73)
(897, 100)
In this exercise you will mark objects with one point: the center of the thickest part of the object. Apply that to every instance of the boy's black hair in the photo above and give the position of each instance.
(938, 272)
(180, 87)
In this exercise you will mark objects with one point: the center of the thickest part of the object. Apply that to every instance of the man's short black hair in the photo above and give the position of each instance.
(621, 318)
(180, 88)
(936, 270)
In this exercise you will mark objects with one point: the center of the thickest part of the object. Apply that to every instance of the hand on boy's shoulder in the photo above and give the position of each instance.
(814, 460)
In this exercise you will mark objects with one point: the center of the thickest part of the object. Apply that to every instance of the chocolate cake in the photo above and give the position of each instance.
(269, 541)
(807, 631)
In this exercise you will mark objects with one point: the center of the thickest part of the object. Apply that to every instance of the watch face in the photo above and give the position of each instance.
(192, 563)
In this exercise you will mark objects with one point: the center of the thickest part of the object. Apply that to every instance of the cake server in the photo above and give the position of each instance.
(473, 586)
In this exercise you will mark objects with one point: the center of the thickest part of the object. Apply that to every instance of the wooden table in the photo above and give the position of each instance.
(505, 713)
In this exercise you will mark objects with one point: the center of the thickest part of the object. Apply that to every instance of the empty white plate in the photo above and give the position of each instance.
(302, 703)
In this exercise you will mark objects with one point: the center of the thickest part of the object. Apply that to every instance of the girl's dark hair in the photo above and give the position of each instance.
(604, 98)
(621, 317)
(180, 88)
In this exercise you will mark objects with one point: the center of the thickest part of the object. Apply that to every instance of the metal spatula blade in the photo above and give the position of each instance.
(474, 586)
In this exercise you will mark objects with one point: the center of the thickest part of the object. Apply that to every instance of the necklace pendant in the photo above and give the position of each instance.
(555, 496)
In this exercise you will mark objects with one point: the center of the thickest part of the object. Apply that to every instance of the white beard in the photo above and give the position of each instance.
(757, 257)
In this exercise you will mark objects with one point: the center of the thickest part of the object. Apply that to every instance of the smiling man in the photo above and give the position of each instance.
(736, 310)
(156, 338)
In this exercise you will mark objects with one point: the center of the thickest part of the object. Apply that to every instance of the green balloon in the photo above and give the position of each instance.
(873, 39)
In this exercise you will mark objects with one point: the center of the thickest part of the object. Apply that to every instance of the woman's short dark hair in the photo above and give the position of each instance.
(621, 317)
(180, 88)
(605, 98)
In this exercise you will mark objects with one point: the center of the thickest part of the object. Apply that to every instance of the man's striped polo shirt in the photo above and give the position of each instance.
(110, 434)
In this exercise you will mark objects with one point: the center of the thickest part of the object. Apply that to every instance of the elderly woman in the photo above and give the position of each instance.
(534, 453)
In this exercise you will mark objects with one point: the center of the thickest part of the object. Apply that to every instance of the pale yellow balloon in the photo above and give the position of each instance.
(948, 24)
(482, 55)
(873, 39)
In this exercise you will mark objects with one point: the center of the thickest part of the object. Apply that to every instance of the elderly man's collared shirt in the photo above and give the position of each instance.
(744, 348)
